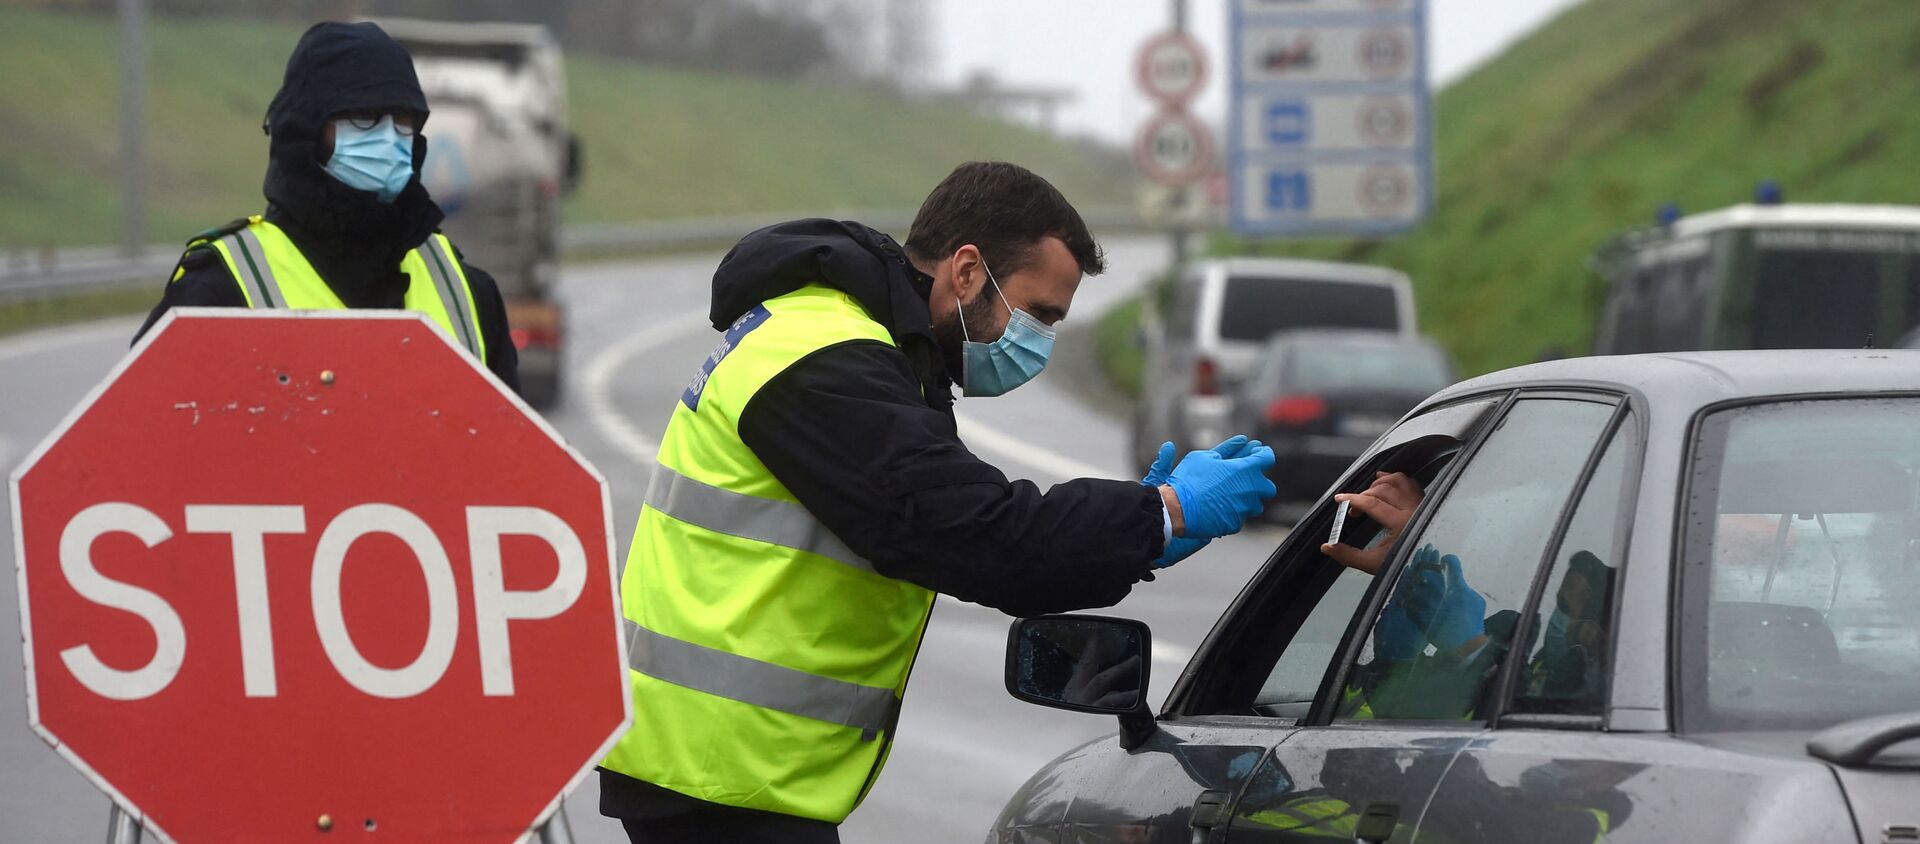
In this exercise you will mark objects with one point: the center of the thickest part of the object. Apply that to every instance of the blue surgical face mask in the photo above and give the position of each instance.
(993, 369)
(377, 160)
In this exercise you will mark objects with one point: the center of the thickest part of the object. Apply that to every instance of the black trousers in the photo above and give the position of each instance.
(723, 826)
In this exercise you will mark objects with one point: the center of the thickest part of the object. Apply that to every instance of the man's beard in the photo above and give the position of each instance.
(946, 329)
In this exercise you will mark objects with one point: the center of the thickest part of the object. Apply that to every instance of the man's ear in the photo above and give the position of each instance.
(969, 273)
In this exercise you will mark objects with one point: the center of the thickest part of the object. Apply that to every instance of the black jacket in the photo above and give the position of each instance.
(862, 433)
(354, 241)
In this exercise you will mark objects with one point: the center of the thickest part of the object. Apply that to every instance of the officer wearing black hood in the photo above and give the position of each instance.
(347, 224)
(812, 495)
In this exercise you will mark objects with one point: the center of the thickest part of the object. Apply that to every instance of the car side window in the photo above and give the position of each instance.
(1450, 615)
(1282, 637)
(1565, 672)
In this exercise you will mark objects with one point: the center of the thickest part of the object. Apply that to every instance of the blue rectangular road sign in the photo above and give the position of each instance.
(1330, 124)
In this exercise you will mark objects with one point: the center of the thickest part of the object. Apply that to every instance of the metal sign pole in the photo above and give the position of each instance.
(133, 109)
(1179, 230)
(556, 830)
(122, 828)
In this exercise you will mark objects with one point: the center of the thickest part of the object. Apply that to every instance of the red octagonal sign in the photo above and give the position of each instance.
(306, 576)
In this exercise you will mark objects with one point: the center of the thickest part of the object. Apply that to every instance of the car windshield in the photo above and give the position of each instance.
(1257, 306)
(1387, 367)
(1803, 565)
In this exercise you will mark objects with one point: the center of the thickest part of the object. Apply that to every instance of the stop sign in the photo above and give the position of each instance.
(305, 575)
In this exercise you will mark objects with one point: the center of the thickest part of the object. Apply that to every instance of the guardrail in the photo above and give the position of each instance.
(51, 273)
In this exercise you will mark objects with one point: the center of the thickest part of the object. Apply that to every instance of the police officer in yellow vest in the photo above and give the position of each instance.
(347, 223)
(812, 496)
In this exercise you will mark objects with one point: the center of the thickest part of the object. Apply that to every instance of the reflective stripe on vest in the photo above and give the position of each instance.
(782, 523)
(436, 283)
(257, 275)
(865, 708)
(767, 658)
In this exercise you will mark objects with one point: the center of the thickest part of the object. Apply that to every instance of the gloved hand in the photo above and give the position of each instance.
(1163, 462)
(1395, 637)
(1181, 547)
(1435, 595)
(1218, 494)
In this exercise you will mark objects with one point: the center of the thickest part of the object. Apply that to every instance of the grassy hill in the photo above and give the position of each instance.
(1587, 127)
(658, 143)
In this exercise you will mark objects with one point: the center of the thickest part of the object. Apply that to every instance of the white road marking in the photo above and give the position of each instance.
(54, 339)
(976, 433)
(596, 386)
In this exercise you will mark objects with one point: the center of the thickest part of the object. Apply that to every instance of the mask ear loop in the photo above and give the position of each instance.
(961, 309)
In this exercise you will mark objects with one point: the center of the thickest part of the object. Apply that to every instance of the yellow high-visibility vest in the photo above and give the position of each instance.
(768, 660)
(272, 273)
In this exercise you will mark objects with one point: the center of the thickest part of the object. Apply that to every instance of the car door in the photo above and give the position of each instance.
(1547, 772)
(1256, 676)
(1408, 690)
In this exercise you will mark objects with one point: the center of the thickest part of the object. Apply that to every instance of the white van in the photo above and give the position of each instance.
(1204, 332)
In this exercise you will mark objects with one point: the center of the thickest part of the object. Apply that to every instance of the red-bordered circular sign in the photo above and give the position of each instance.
(1174, 148)
(1171, 67)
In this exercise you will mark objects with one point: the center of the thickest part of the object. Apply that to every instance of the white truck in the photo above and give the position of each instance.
(499, 159)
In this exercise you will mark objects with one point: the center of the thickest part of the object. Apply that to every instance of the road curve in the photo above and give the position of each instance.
(638, 332)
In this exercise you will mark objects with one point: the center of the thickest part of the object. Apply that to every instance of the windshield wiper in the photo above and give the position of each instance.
(1855, 743)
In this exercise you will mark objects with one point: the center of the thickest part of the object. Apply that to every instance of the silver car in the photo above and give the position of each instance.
(1663, 598)
(1203, 334)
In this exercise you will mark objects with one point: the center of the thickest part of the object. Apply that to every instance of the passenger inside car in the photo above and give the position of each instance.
(1435, 645)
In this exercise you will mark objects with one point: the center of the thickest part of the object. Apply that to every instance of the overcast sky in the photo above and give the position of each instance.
(1088, 46)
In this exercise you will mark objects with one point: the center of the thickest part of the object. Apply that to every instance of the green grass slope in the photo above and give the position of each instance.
(658, 143)
(1585, 128)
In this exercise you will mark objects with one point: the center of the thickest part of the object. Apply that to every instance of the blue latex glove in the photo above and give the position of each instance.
(1219, 494)
(1163, 463)
(1436, 597)
(1181, 547)
(1395, 637)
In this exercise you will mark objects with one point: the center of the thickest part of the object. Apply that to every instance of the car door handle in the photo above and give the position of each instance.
(1377, 823)
(1209, 813)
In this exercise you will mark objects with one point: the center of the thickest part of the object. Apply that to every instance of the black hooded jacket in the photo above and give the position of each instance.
(354, 241)
(863, 434)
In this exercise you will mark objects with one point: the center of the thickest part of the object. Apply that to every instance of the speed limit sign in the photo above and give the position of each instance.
(1171, 67)
(1174, 149)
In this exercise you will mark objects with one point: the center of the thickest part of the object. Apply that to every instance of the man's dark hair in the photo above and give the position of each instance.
(1005, 210)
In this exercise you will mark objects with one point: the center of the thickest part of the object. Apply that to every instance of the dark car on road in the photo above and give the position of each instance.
(1661, 598)
(1320, 398)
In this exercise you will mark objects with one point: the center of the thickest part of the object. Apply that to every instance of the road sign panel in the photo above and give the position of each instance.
(1174, 148)
(1171, 67)
(1295, 122)
(1330, 119)
(1307, 54)
(275, 568)
(1256, 7)
(1318, 197)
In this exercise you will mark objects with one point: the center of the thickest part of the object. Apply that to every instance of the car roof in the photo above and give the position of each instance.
(1685, 381)
(1348, 336)
(1800, 215)
(1305, 268)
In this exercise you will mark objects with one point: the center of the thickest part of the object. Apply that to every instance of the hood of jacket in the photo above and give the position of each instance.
(354, 240)
(860, 261)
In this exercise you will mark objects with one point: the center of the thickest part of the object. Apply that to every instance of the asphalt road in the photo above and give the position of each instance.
(638, 333)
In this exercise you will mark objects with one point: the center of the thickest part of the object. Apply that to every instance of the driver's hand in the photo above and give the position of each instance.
(1390, 501)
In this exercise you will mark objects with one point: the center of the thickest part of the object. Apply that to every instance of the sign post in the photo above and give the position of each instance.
(286, 576)
(1173, 148)
(1330, 118)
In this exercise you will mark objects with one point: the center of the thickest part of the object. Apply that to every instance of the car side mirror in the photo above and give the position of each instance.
(1084, 663)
